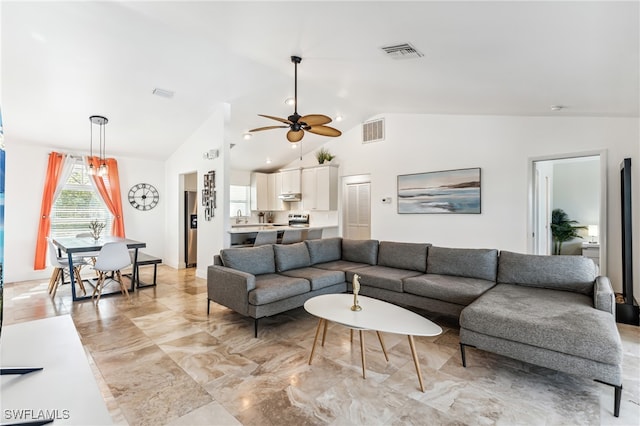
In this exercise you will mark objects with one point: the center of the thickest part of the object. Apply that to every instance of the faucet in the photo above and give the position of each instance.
(239, 217)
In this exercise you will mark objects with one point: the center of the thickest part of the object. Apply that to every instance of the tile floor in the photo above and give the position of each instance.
(162, 360)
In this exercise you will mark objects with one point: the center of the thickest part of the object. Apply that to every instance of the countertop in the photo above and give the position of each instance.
(249, 228)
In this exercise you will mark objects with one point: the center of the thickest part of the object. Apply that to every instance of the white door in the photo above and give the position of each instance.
(357, 215)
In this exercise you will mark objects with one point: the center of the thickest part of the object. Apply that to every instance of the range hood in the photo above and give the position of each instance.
(290, 197)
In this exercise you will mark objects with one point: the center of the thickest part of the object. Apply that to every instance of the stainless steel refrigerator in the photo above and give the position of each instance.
(190, 229)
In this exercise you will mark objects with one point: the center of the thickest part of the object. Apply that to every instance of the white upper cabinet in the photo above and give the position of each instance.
(320, 188)
(290, 181)
(265, 188)
(259, 191)
(274, 186)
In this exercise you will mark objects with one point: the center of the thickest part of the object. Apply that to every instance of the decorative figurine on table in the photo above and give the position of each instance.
(356, 290)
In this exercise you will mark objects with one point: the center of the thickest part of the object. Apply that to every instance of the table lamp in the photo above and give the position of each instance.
(593, 232)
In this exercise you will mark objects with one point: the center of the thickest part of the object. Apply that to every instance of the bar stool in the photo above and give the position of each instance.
(291, 236)
(265, 237)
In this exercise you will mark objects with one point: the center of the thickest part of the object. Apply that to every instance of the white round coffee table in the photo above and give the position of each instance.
(375, 315)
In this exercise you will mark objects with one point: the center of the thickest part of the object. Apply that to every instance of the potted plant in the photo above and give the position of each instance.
(323, 155)
(562, 229)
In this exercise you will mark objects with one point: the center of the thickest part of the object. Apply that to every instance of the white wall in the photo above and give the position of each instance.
(25, 173)
(502, 147)
(187, 159)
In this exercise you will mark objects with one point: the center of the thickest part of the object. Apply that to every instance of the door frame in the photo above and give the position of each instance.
(531, 208)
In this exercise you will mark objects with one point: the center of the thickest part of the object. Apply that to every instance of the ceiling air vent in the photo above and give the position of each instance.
(402, 51)
(373, 131)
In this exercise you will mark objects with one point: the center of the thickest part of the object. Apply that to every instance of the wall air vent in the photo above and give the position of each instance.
(373, 131)
(402, 51)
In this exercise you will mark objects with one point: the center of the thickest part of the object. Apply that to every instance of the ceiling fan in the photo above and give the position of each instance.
(297, 124)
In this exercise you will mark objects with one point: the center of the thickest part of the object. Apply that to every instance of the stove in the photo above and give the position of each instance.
(299, 220)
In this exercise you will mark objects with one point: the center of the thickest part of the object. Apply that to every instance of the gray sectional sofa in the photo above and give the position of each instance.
(551, 311)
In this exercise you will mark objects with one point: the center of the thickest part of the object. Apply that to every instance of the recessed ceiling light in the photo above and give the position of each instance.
(294, 145)
(289, 101)
(247, 136)
(268, 160)
(557, 107)
(338, 118)
(163, 93)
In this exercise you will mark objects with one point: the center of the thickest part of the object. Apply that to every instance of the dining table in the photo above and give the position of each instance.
(76, 246)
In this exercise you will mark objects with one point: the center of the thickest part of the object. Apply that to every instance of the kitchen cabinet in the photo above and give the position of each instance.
(290, 181)
(274, 187)
(320, 188)
(259, 191)
(265, 188)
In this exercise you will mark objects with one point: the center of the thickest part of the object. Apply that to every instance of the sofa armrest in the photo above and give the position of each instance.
(230, 287)
(603, 297)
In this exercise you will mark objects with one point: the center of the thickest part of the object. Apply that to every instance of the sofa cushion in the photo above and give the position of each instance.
(448, 288)
(253, 260)
(291, 256)
(360, 251)
(570, 273)
(560, 321)
(472, 263)
(324, 250)
(274, 287)
(381, 277)
(410, 256)
(319, 278)
(340, 265)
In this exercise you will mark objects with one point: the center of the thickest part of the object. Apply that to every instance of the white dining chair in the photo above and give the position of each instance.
(60, 265)
(92, 255)
(265, 237)
(291, 236)
(112, 258)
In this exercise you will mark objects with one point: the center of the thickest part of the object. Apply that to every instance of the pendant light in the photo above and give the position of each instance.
(101, 122)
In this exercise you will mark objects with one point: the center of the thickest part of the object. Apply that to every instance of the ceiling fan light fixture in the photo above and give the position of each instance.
(299, 124)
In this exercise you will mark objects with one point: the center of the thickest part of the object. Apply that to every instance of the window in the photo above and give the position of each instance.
(238, 200)
(77, 205)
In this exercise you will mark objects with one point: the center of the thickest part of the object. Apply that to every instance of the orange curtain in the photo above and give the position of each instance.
(110, 192)
(54, 169)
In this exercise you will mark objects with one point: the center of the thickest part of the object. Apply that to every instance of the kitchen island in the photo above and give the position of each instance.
(243, 235)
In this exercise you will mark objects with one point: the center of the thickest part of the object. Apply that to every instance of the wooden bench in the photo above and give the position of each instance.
(143, 260)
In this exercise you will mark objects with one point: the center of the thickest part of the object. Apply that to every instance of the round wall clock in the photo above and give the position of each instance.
(143, 196)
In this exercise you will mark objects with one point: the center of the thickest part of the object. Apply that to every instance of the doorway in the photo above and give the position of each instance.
(357, 207)
(190, 220)
(576, 184)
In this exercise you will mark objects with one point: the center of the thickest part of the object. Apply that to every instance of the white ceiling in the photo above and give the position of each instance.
(65, 61)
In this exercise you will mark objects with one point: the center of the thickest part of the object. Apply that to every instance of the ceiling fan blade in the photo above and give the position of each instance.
(282, 120)
(324, 131)
(315, 119)
(268, 128)
(295, 135)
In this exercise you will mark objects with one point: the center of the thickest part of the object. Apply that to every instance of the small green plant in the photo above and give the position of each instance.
(323, 155)
(562, 229)
(96, 228)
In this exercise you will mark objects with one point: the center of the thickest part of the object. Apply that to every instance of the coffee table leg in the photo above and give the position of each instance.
(384, 350)
(324, 333)
(315, 339)
(364, 362)
(415, 361)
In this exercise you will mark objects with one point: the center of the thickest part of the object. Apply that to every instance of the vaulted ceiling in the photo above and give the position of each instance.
(65, 61)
